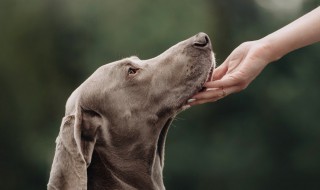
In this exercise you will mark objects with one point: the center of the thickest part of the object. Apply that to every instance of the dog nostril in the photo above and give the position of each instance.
(202, 41)
(207, 39)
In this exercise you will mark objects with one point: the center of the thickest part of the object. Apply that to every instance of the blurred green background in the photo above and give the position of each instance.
(266, 137)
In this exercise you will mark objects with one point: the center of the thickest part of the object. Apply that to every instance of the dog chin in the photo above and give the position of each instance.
(183, 105)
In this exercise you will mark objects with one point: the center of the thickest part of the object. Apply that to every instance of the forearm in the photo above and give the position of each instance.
(301, 32)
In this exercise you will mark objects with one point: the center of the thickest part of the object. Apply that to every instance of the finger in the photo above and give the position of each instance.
(209, 94)
(202, 101)
(216, 95)
(219, 72)
(225, 82)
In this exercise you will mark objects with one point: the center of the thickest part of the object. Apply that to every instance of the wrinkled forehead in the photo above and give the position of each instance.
(129, 61)
(116, 70)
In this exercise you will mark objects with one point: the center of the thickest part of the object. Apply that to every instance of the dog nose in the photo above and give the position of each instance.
(201, 40)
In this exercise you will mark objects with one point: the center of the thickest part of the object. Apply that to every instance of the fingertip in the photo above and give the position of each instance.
(191, 100)
(193, 103)
(209, 94)
(208, 84)
(198, 102)
(219, 72)
(212, 84)
(186, 107)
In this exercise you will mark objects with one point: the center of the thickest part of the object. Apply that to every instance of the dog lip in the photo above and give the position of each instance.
(207, 80)
(210, 74)
(199, 88)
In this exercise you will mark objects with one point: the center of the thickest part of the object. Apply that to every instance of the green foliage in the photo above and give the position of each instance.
(266, 137)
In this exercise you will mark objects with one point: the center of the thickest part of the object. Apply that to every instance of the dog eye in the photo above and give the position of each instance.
(132, 71)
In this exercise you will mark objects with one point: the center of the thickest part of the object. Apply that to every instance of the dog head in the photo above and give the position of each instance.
(159, 86)
(127, 106)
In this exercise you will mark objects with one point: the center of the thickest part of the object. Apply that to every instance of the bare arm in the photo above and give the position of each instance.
(247, 61)
(301, 32)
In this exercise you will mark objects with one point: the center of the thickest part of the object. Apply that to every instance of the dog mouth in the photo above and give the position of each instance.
(165, 128)
(197, 89)
(201, 87)
(209, 78)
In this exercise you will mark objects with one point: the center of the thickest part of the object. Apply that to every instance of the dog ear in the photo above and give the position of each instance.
(74, 147)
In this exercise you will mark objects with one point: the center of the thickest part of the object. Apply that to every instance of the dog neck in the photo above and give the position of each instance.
(115, 166)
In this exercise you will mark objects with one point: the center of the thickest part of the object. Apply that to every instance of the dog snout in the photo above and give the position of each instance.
(201, 40)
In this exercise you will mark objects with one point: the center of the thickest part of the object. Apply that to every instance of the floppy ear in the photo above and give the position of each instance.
(74, 148)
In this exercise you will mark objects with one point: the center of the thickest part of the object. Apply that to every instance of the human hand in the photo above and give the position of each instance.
(242, 66)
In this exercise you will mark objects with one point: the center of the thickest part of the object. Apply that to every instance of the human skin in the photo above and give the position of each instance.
(247, 61)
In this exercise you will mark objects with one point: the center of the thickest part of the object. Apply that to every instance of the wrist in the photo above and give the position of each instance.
(269, 51)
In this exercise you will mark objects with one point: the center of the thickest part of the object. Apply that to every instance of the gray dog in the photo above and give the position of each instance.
(116, 122)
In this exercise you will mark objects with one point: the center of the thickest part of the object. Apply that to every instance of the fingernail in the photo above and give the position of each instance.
(191, 100)
(185, 107)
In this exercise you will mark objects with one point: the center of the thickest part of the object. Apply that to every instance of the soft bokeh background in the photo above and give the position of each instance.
(266, 137)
